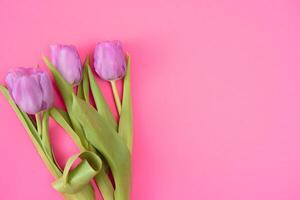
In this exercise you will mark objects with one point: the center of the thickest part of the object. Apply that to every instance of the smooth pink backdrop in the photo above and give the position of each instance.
(216, 94)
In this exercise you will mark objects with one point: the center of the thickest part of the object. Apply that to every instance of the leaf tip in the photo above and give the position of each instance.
(87, 60)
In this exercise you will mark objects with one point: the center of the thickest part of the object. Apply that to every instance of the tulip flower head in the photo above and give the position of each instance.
(67, 61)
(109, 60)
(30, 88)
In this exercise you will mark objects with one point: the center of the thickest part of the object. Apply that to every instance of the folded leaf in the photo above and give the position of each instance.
(75, 180)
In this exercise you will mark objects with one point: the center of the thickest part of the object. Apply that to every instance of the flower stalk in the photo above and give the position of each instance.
(38, 123)
(116, 96)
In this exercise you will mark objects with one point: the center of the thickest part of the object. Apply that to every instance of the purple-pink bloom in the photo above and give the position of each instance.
(67, 61)
(30, 88)
(109, 60)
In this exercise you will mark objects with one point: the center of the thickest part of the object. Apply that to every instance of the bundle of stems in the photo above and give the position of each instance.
(105, 145)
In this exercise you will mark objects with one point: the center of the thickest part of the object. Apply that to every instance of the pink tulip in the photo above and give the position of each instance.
(30, 88)
(109, 60)
(67, 61)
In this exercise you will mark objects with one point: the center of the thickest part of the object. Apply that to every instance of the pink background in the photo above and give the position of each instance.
(216, 93)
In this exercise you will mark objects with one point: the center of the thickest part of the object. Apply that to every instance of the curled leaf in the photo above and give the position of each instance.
(75, 180)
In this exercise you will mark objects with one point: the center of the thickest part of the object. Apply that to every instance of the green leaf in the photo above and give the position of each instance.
(68, 122)
(102, 178)
(100, 102)
(80, 90)
(125, 123)
(66, 90)
(58, 117)
(85, 193)
(33, 134)
(103, 181)
(105, 139)
(85, 80)
(106, 187)
(24, 118)
(83, 87)
(65, 115)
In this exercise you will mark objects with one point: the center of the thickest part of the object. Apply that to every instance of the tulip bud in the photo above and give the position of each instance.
(109, 60)
(30, 88)
(67, 61)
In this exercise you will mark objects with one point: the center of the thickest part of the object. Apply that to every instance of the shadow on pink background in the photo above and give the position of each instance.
(216, 91)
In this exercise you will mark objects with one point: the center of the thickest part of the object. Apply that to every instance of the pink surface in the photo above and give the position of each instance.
(216, 93)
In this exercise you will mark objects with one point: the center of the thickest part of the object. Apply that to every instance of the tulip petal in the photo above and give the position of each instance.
(27, 94)
(47, 91)
(109, 60)
(67, 61)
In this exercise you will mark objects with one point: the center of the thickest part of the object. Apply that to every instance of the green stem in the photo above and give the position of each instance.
(38, 123)
(45, 133)
(116, 96)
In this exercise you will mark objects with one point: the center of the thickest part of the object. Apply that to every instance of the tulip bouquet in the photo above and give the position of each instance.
(105, 143)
